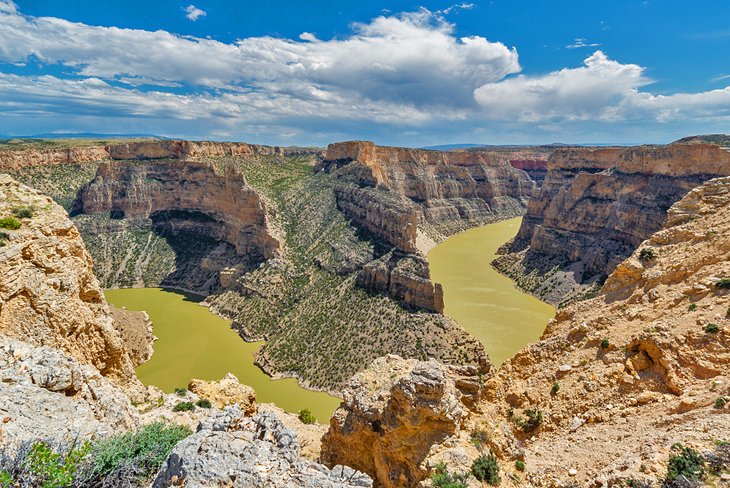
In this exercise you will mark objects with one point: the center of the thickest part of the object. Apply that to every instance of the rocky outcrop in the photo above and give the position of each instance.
(48, 293)
(404, 277)
(226, 392)
(47, 394)
(176, 149)
(135, 330)
(597, 204)
(232, 450)
(535, 168)
(393, 414)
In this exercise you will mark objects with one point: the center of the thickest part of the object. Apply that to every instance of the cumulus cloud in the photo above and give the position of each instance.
(407, 73)
(411, 57)
(193, 13)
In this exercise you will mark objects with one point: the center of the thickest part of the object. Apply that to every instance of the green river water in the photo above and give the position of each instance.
(484, 302)
(195, 343)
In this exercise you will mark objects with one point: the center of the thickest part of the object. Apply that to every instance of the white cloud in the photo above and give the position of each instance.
(407, 74)
(580, 42)
(193, 13)
(458, 6)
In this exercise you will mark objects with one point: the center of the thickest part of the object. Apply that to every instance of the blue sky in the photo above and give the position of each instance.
(407, 73)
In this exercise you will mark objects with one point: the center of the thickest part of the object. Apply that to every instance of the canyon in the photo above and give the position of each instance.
(324, 257)
(594, 208)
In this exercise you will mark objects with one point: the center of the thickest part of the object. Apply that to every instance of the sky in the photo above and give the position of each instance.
(406, 73)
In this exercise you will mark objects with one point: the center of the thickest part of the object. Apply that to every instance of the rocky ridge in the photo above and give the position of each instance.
(594, 208)
(648, 355)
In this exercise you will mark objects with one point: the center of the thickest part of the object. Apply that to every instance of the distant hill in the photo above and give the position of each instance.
(719, 139)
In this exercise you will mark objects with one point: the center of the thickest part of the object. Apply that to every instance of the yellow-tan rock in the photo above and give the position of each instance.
(225, 392)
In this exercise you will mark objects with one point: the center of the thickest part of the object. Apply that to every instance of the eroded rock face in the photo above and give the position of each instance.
(221, 221)
(452, 190)
(47, 394)
(16, 159)
(175, 149)
(597, 204)
(394, 413)
(48, 293)
(232, 450)
(226, 392)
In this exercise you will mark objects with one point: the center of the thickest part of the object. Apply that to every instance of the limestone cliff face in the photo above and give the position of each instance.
(48, 293)
(597, 204)
(13, 160)
(404, 277)
(394, 413)
(409, 197)
(175, 149)
(223, 207)
(452, 190)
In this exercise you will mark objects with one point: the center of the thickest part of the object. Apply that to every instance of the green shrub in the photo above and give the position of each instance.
(306, 417)
(486, 468)
(720, 402)
(604, 344)
(181, 391)
(6, 479)
(39, 464)
(441, 478)
(686, 463)
(23, 212)
(183, 407)
(534, 420)
(555, 389)
(4, 236)
(723, 283)
(203, 403)
(10, 223)
(520, 465)
(712, 328)
(647, 254)
(692, 307)
(144, 451)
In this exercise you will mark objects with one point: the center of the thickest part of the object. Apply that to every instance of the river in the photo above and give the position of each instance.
(484, 302)
(195, 343)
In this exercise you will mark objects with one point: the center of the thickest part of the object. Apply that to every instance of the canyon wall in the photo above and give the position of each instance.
(408, 198)
(17, 158)
(452, 190)
(216, 224)
(648, 355)
(597, 204)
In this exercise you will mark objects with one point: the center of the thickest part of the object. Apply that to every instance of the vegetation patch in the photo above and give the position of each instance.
(685, 465)
(183, 407)
(10, 223)
(442, 478)
(306, 417)
(486, 468)
(647, 254)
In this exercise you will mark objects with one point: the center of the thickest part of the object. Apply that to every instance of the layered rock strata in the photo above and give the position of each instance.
(49, 295)
(597, 204)
(408, 198)
(188, 199)
(394, 413)
(230, 449)
(17, 159)
(176, 149)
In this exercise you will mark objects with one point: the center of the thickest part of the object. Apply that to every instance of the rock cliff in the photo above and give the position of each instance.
(452, 190)
(410, 198)
(176, 149)
(612, 385)
(49, 295)
(392, 415)
(17, 159)
(188, 199)
(597, 204)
